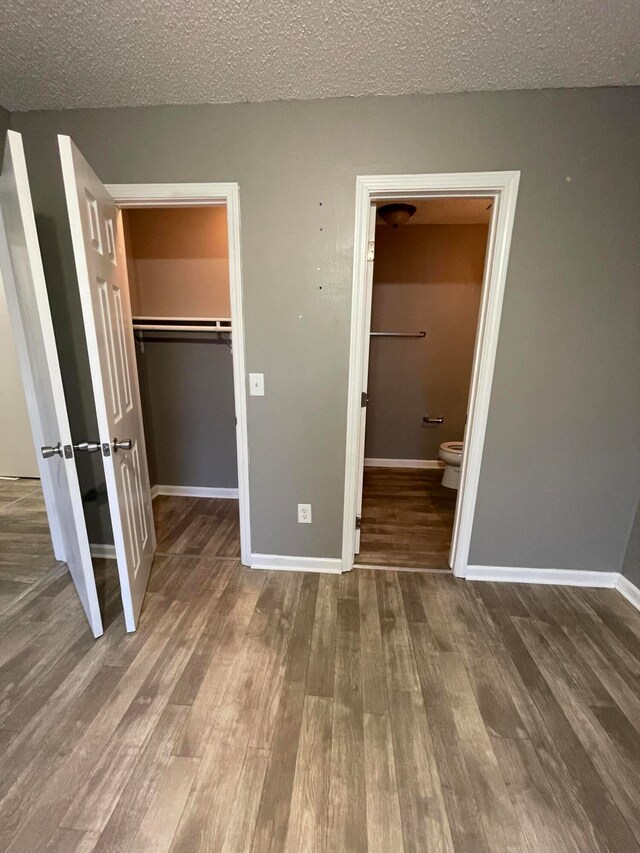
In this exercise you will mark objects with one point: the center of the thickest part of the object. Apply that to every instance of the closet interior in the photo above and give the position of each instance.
(178, 270)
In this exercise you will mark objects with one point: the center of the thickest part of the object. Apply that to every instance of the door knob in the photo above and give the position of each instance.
(48, 451)
(88, 446)
(127, 444)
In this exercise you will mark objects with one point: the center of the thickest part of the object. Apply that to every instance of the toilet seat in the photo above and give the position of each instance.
(452, 446)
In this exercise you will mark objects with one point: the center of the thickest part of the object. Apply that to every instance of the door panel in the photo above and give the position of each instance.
(28, 303)
(365, 372)
(96, 231)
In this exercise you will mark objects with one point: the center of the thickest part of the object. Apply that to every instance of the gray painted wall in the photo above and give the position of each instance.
(558, 485)
(424, 277)
(186, 384)
(631, 563)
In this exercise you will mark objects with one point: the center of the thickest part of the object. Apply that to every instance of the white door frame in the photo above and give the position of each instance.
(502, 187)
(211, 195)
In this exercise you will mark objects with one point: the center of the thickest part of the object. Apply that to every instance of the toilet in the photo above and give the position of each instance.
(451, 454)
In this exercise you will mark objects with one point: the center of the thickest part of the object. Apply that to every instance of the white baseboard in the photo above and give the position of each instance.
(105, 552)
(630, 592)
(403, 463)
(194, 492)
(559, 577)
(325, 565)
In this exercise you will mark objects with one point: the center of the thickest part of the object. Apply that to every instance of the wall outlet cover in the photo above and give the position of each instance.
(304, 513)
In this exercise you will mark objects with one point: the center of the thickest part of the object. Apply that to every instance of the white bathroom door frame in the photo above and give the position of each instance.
(212, 195)
(502, 187)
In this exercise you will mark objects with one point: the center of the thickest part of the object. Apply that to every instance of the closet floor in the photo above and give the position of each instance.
(407, 519)
(207, 527)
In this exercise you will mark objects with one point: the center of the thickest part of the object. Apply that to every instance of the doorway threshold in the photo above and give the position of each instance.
(415, 569)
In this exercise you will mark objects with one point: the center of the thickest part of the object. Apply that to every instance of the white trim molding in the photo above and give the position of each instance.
(325, 565)
(628, 590)
(557, 577)
(193, 492)
(502, 187)
(103, 552)
(212, 195)
(172, 195)
(404, 463)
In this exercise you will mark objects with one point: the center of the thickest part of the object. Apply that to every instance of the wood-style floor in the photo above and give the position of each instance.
(197, 526)
(289, 712)
(407, 519)
(26, 555)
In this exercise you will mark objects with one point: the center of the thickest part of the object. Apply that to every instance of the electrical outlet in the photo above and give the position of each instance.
(304, 513)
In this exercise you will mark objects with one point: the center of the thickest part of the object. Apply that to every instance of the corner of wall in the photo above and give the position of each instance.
(5, 120)
(630, 568)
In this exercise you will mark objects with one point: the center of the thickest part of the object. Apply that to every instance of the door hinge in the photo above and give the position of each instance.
(371, 250)
(364, 399)
(358, 522)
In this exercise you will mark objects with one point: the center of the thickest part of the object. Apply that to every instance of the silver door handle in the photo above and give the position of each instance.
(127, 444)
(48, 451)
(88, 446)
(428, 420)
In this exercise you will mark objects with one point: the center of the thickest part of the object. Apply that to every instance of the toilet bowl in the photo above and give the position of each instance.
(451, 454)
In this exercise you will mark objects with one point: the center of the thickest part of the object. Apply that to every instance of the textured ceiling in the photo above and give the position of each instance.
(97, 53)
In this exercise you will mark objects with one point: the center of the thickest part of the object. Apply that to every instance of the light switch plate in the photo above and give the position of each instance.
(256, 384)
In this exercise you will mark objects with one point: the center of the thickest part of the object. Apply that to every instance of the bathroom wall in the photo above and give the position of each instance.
(178, 266)
(426, 277)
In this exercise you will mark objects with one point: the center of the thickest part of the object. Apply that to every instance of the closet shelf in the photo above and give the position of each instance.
(220, 325)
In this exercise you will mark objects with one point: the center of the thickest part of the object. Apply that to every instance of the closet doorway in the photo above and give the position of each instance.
(182, 253)
(424, 344)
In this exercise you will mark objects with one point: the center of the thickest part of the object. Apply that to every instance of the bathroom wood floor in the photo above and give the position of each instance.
(407, 519)
(296, 712)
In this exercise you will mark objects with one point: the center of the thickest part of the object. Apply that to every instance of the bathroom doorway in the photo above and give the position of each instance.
(427, 279)
(429, 273)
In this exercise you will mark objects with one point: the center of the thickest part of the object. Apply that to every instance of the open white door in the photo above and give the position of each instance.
(371, 245)
(28, 303)
(96, 232)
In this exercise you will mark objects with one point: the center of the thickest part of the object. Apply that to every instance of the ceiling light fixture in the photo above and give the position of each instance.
(397, 213)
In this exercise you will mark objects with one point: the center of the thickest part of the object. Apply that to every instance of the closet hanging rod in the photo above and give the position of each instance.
(176, 327)
(398, 334)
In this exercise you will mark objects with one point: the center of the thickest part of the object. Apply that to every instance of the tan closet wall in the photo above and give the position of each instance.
(178, 262)
(178, 266)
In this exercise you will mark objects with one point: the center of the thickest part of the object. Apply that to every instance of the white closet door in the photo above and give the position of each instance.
(365, 372)
(28, 303)
(96, 231)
